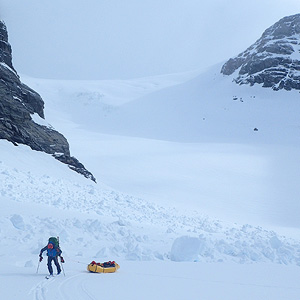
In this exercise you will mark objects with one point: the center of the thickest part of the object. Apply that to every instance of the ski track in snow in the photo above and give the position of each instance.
(60, 287)
(206, 280)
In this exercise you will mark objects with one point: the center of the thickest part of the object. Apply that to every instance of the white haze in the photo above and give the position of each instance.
(119, 39)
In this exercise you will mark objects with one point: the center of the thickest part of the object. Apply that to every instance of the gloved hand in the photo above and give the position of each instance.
(41, 258)
(62, 260)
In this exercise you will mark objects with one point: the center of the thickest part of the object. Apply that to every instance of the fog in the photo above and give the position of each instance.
(118, 39)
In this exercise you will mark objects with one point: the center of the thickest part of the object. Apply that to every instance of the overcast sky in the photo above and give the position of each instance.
(119, 39)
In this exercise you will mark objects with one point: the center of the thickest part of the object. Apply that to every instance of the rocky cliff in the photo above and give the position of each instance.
(21, 107)
(273, 60)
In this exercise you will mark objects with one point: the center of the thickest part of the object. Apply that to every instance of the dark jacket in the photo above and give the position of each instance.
(51, 252)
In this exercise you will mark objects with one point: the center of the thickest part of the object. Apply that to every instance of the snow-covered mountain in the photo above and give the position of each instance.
(273, 60)
(197, 191)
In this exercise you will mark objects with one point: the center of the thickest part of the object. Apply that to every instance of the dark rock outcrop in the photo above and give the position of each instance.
(18, 104)
(273, 60)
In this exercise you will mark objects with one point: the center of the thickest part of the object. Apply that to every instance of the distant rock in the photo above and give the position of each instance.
(18, 106)
(273, 60)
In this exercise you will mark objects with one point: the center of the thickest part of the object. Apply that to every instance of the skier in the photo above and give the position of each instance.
(53, 251)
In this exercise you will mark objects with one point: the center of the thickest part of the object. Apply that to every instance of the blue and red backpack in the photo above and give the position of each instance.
(53, 247)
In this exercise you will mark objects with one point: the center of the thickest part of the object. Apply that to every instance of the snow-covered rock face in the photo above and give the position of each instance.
(20, 106)
(273, 60)
(5, 48)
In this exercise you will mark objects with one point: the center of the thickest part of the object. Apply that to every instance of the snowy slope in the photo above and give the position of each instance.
(41, 198)
(208, 108)
(182, 177)
(183, 141)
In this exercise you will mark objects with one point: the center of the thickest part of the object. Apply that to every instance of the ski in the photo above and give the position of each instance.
(51, 276)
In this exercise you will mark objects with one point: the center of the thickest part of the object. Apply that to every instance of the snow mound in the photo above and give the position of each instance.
(242, 245)
(185, 248)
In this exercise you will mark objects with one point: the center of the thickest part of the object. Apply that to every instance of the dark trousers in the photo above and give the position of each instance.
(55, 259)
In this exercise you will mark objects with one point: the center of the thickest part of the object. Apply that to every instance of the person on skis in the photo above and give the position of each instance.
(53, 251)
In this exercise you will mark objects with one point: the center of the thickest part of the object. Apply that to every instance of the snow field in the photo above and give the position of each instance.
(104, 223)
(179, 182)
(155, 279)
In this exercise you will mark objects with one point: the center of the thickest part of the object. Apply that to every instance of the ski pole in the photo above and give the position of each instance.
(63, 269)
(61, 263)
(37, 270)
